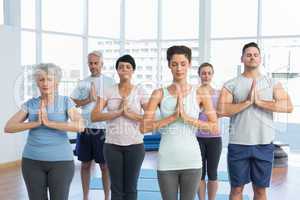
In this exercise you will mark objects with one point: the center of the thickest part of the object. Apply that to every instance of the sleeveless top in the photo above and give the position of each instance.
(179, 148)
(203, 117)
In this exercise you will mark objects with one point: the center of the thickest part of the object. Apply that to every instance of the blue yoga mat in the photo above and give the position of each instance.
(148, 173)
(156, 196)
(148, 189)
(143, 184)
(151, 173)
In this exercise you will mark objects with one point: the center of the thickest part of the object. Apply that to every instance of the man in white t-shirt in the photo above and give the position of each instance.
(89, 145)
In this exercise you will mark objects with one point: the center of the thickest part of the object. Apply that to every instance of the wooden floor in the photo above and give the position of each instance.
(285, 181)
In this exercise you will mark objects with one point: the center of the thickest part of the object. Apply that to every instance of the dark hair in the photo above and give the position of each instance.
(205, 64)
(251, 44)
(126, 58)
(179, 50)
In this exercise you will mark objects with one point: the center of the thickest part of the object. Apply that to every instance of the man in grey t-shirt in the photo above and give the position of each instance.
(250, 100)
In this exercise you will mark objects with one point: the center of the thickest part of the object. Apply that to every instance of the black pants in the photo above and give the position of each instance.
(124, 164)
(39, 176)
(211, 149)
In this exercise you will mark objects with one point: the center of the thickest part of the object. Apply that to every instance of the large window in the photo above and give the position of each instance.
(141, 19)
(65, 51)
(234, 18)
(280, 17)
(28, 14)
(104, 18)
(63, 16)
(180, 19)
(28, 48)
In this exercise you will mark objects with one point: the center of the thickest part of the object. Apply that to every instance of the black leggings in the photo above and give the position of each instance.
(39, 176)
(124, 164)
(211, 149)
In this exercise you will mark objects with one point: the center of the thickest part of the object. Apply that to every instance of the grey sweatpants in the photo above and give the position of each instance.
(187, 181)
(39, 176)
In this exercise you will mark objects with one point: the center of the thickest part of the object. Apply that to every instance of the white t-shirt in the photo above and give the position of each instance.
(121, 130)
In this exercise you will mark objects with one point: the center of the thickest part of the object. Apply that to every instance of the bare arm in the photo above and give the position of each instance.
(16, 123)
(148, 123)
(282, 102)
(226, 107)
(97, 114)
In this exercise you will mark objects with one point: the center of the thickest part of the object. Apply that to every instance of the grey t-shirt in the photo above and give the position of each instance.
(253, 125)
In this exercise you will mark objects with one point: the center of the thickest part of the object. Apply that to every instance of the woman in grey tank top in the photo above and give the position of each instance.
(179, 157)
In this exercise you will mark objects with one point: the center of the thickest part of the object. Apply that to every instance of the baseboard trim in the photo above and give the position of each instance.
(15, 163)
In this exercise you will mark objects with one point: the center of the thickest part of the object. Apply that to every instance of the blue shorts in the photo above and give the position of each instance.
(89, 145)
(250, 163)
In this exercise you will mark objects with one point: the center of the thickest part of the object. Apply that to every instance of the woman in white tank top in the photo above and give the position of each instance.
(179, 157)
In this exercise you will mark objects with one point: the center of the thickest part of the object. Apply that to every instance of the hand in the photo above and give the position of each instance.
(92, 94)
(215, 129)
(43, 114)
(121, 107)
(124, 107)
(179, 105)
(39, 121)
(256, 97)
(251, 95)
(148, 126)
(181, 111)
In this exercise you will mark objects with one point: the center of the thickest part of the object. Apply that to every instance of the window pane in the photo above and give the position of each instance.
(226, 64)
(145, 55)
(65, 51)
(1, 12)
(111, 52)
(28, 14)
(63, 16)
(28, 48)
(104, 18)
(229, 19)
(280, 18)
(282, 55)
(137, 28)
(180, 19)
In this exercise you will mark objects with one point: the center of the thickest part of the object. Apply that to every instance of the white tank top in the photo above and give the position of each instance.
(179, 148)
